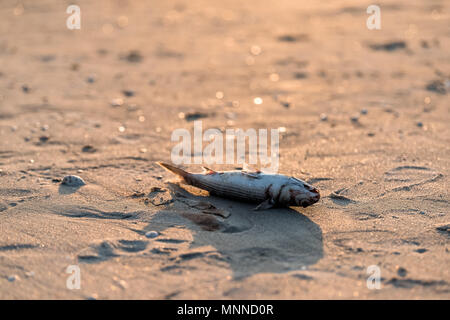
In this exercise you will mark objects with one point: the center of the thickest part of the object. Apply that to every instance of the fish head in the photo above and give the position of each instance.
(302, 194)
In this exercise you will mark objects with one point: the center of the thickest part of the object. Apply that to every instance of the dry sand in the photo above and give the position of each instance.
(384, 178)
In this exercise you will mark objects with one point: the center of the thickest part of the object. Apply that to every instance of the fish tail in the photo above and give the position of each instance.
(177, 171)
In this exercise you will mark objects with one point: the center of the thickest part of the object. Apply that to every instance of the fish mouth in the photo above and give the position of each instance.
(316, 197)
(307, 202)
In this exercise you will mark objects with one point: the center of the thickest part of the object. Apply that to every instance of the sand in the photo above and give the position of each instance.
(366, 118)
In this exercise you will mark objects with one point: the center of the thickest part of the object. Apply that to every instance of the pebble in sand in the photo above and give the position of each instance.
(73, 181)
(13, 278)
(151, 234)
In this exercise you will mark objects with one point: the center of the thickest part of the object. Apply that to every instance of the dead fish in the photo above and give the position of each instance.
(268, 190)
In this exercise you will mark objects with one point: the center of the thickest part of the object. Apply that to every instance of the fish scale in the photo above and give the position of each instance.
(232, 191)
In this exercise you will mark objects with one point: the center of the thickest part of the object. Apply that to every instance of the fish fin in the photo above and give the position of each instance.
(207, 170)
(253, 175)
(174, 169)
(246, 169)
(266, 204)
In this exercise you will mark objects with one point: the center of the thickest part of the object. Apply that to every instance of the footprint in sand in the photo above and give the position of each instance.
(108, 249)
(18, 246)
(248, 242)
(444, 229)
(410, 283)
(74, 211)
(404, 178)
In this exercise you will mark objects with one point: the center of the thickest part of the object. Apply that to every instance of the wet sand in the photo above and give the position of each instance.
(365, 113)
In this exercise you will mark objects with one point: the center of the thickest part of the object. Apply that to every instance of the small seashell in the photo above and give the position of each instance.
(116, 102)
(255, 50)
(151, 234)
(257, 100)
(219, 95)
(121, 283)
(30, 274)
(73, 181)
(274, 77)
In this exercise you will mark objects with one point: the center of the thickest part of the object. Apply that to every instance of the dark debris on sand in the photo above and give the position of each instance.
(389, 46)
(437, 86)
